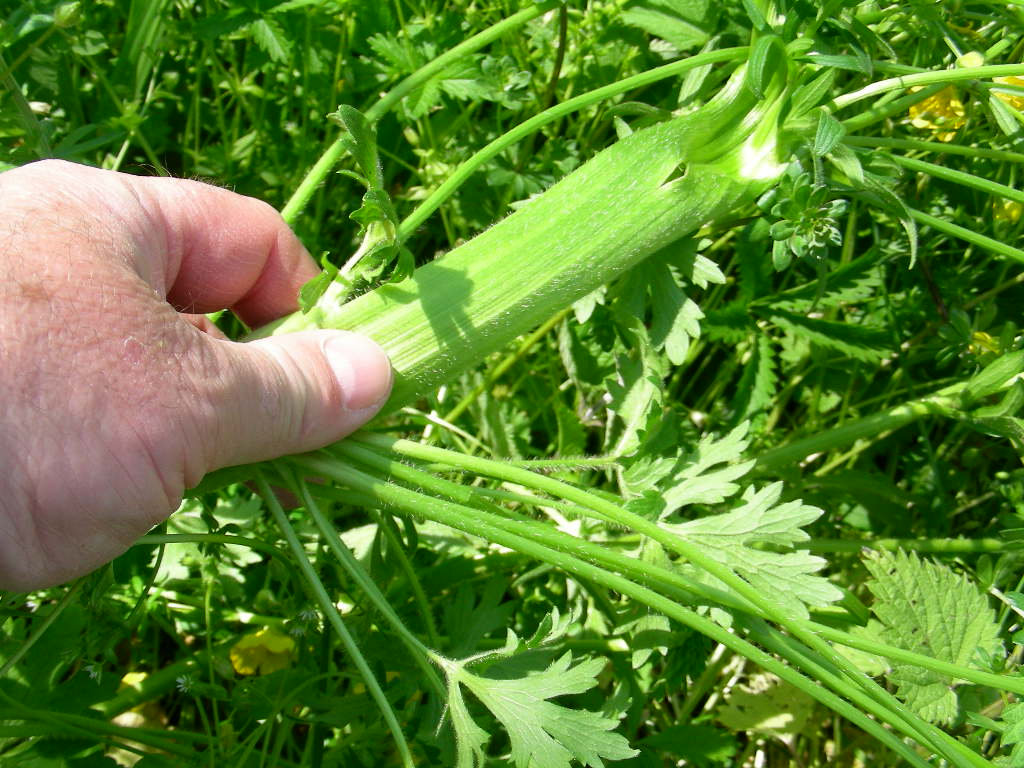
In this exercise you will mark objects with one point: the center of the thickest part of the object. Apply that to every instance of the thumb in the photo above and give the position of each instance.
(285, 394)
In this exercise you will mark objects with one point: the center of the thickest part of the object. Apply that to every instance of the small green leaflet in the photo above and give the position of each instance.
(704, 475)
(311, 292)
(789, 576)
(925, 607)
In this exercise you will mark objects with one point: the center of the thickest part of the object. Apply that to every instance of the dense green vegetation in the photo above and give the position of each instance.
(758, 497)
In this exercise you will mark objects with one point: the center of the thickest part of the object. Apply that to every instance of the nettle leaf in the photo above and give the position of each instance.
(543, 734)
(738, 539)
(925, 607)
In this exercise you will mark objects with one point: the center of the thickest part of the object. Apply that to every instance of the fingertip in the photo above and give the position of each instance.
(361, 368)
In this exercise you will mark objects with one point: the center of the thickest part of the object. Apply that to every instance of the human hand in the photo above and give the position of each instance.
(113, 402)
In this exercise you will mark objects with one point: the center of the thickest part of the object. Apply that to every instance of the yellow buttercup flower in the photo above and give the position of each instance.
(1015, 100)
(263, 652)
(1007, 210)
(942, 112)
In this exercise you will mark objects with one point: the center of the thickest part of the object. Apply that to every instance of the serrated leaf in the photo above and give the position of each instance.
(789, 576)
(925, 607)
(271, 39)
(886, 199)
(857, 341)
(850, 283)
(676, 318)
(634, 396)
(311, 292)
(703, 475)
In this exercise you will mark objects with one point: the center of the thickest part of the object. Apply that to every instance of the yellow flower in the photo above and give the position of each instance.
(982, 342)
(1015, 100)
(263, 652)
(942, 112)
(1007, 210)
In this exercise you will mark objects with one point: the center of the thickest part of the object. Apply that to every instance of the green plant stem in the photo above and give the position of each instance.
(93, 729)
(655, 577)
(359, 575)
(214, 538)
(316, 175)
(413, 580)
(959, 177)
(447, 188)
(894, 653)
(28, 117)
(944, 77)
(888, 108)
(936, 546)
(872, 427)
(968, 235)
(334, 618)
(938, 147)
(472, 521)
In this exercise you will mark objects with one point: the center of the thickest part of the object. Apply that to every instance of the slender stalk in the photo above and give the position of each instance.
(959, 177)
(938, 147)
(968, 235)
(214, 538)
(359, 575)
(871, 427)
(945, 76)
(935, 546)
(894, 653)
(334, 619)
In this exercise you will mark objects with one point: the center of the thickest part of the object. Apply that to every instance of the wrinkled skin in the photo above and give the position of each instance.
(114, 400)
